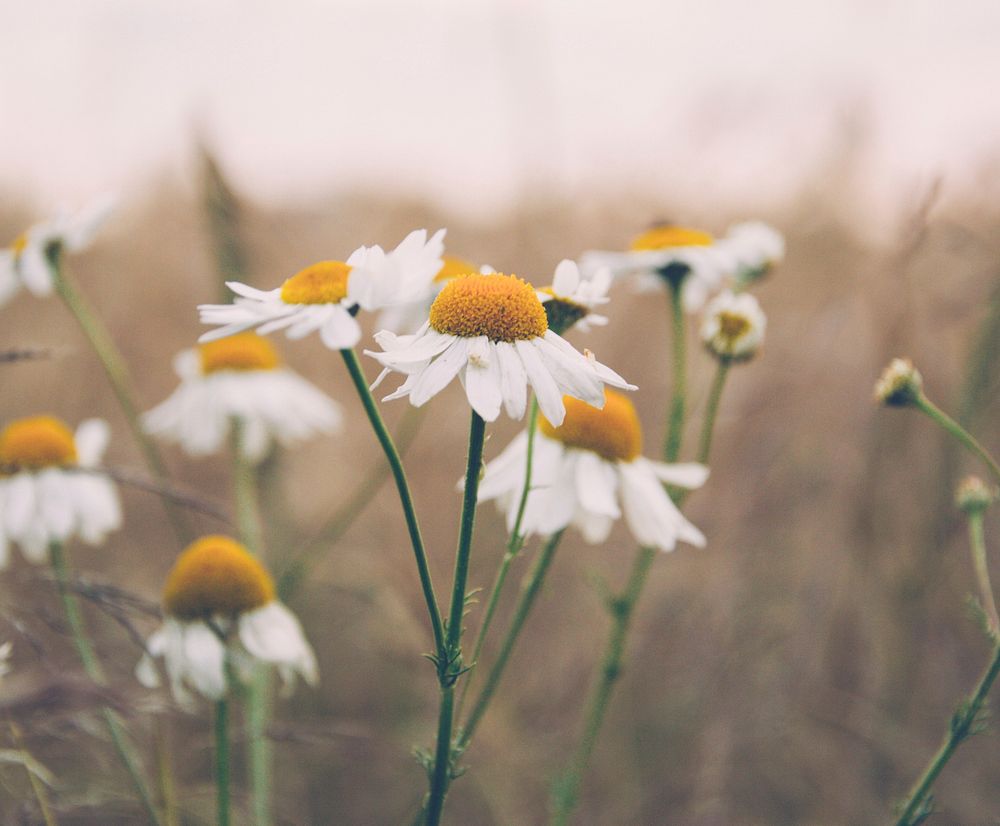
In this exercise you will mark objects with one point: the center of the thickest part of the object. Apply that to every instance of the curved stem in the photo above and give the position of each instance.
(675, 423)
(406, 500)
(928, 407)
(978, 545)
(711, 411)
(222, 761)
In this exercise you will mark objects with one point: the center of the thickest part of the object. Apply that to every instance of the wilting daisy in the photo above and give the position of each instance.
(220, 610)
(492, 332)
(324, 297)
(733, 326)
(755, 248)
(407, 318)
(46, 493)
(240, 378)
(589, 470)
(24, 262)
(571, 299)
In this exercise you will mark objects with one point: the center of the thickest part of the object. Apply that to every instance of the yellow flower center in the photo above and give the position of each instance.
(454, 267)
(19, 244)
(502, 307)
(667, 236)
(216, 576)
(35, 443)
(733, 326)
(322, 283)
(614, 433)
(243, 351)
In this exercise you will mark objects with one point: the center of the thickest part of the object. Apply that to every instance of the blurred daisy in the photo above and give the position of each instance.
(407, 318)
(325, 296)
(222, 618)
(240, 377)
(492, 332)
(571, 299)
(589, 470)
(24, 262)
(45, 493)
(5, 651)
(755, 248)
(672, 254)
(733, 326)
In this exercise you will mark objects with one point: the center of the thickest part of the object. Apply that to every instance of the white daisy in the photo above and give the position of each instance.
(491, 331)
(221, 618)
(571, 299)
(240, 377)
(24, 262)
(46, 493)
(733, 326)
(670, 253)
(407, 318)
(325, 296)
(586, 472)
(755, 248)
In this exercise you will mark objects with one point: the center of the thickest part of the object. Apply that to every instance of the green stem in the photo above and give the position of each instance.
(962, 726)
(978, 543)
(675, 424)
(37, 786)
(712, 410)
(406, 500)
(222, 761)
(117, 372)
(925, 405)
(529, 591)
(91, 665)
(450, 670)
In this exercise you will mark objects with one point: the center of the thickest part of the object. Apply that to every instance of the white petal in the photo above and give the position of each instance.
(684, 475)
(91, 439)
(204, 660)
(439, 373)
(513, 379)
(546, 390)
(483, 379)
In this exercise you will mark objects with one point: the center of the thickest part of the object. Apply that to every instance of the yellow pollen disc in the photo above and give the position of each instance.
(454, 267)
(732, 325)
(36, 442)
(322, 283)
(502, 307)
(216, 576)
(665, 237)
(243, 351)
(19, 244)
(614, 433)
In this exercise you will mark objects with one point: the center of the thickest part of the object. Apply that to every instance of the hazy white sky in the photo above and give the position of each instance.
(470, 101)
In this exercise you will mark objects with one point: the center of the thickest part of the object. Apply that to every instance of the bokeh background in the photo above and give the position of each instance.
(802, 668)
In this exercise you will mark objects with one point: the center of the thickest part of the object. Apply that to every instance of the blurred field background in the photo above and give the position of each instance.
(800, 670)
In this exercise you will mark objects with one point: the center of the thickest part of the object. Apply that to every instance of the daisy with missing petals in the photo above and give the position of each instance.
(240, 378)
(733, 326)
(571, 299)
(25, 262)
(221, 611)
(407, 318)
(46, 493)
(589, 470)
(492, 332)
(325, 296)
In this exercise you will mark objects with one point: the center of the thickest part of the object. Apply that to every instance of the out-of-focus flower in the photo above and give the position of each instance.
(5, 651)
(733, 326)
(900, 384)
(24, 263)
(492, 332)
(222, 618)
(586, 472)
(755, 248)
(974, 495)
(407, 318)
(240, 377)
(46, 492)
(325, 296)
(571, 299)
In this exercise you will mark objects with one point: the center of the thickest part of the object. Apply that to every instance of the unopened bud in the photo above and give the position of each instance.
(974, 495)
(900, 384)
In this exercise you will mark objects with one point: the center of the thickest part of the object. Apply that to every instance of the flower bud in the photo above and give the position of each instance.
(900, 384)
(974, 495)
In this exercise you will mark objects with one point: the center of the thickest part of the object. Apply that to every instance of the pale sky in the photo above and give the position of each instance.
(473, 102)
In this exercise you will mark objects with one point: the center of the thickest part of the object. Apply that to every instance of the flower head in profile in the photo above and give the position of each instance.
(587, 472)
(571, 299)
(491, 332)
(25, 261)
(755, 248)
(325, 296)
(47, 493)
(732, 328)
(221, 618)
(240, 378)
(900, 384)
(407, 318)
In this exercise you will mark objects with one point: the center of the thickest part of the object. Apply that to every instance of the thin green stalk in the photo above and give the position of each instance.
(37, 786)
(126, 751)
(675, 424)
(978, 544)
(526, 600)
(925, 405)
(712, 410)
(117, 372)
(452, 669)
(166, 786)
(406, 500)
(222, 761)
(963, 724)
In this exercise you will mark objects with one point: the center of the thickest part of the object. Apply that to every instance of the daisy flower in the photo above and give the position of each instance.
(672, 254)
(325, 296)
(732, 328)
(407, 318)
(240, 377)
(46, 495)
(492, 332)
(586, 472)
(220, 610)
(571, 299)
(755, 248)
(24, 263)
